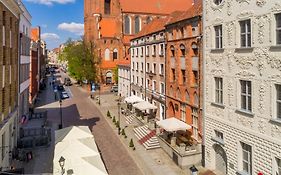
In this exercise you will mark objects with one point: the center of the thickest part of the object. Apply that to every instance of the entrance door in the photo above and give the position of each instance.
(221, 162)
(108, 79)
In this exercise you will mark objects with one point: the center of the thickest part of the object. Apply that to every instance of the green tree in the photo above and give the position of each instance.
(115, 74)
(80, 58)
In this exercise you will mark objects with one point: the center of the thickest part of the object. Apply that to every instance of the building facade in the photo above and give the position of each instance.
(110, 24)
(148, 65)
(24, 67)
(242, 86)
(124, 78)
(184, 68)
(9, 81)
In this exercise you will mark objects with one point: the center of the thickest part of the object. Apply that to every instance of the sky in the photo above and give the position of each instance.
(58, 19)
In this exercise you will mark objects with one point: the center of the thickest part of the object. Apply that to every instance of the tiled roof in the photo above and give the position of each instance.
(195, 10)
(35, 34)
(127, 38)
(155, 6)
(154, 26)
(124, 62)
(108, 27)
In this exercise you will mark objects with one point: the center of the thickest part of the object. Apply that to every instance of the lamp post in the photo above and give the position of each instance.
(193, 170)
(119, 127)
(61, 163)
(60, 126)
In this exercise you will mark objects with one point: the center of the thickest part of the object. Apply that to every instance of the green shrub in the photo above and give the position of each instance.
(114, 120)
(123, 132)
(117, 124)
(108, 114)
(125, 136)
(131, 144)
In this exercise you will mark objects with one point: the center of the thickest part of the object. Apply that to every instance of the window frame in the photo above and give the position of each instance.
(246, 149)
(247, 34)
(278, 101)
(218, 90)
(183, 112)
(278, 29)
(248, 95)
(218, 37)
(278, 165)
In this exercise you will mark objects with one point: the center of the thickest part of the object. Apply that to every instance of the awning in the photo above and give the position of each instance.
(77, 146)
(133, 99)
(144, 105)
(173, 124)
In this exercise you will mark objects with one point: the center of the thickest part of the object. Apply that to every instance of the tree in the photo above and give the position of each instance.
(115, 74)
(80, 58)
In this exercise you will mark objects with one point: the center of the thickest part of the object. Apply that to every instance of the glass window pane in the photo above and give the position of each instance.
(243, 102)
(248, 26)
(245, 167)
(249, 42)
(279, 110)
(278, 20)
(278, 35)
(249, 103)
(243, 40)
(243, 87)
(242, 26)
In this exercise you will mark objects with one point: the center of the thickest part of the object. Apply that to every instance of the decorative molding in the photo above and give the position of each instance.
(276, 78)
(217, 72)
(217, 21)
(245, 74)
(262, 54)
(230, 64)
(276, 131)
(262, 91)
(229, 7)
(241, 1)
(244, 62)
(245, 121)
(245, 14)
(260, 3)
(230, 32)
(231, 98)
(276, 7)
(262, 126)
(274, 62)
(260, 21)
(216, 60)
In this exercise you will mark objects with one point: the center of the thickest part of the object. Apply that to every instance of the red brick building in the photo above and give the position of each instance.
(184, 68)
(110, 24)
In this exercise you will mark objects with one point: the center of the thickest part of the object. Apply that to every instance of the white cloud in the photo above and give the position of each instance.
(51, 2)
(73, 27)
(52, 36)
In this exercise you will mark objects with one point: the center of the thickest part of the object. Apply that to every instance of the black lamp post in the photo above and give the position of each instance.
(193, 170)
(60, 126)
(61, 163)
(119, 127)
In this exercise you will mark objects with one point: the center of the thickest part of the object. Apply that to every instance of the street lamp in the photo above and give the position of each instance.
(61, 163)
(119, 127)
(193, 170)
(60, 126)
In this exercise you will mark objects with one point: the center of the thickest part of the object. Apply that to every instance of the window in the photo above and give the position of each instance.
(162, 88)
(245, 30)
(3, 146)
(246, 95)
(246, 158)
(182, 48)
(141, 54)
(195, 123)
(141, 81)
(219, 135)
(137, 80)
(161, 53)
(133, 79)
(178, 94)
(183, 76)
(137, 69)
(195, 74)
(278, 28)
(137, 24)
(148, 20)
(133, 66)
(154, 68)
(218, 2)
(107, 55)
(127, 25)
(278, 101)
(154, 85)
(137, 52)
(183, 112)
(154, 50)
(115, 54)
(173, 75)
(107, 7)
(172, 51)
(141, 67)
(278, 161)
(161, 70)
(218, 35)
(147, 67)
(218, 90)
(147, 51)
(147, 83)
(187, 97)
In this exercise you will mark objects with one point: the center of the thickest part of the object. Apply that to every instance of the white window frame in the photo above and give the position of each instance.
(154, 49)
(147, 67)
(154, 68)
(247, 95)
(278, 166)
(218, 36)
(4, 34)
(278, 29)
(147, 83)
(161, 49)
(154, 85)
(246, 164)
(218, 90)
(147, 51)
(3, 76)
(162, 89)
(278, 102)
(246, 34)
(161, 69)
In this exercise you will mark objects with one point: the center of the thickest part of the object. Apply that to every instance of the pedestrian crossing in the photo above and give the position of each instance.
(147, 137)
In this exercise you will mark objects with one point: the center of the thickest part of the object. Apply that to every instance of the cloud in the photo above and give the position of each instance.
(51, 2)
(50, 36)
(73, 27)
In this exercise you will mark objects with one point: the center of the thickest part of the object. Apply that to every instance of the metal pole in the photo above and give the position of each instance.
(119, 127)
(60, 116)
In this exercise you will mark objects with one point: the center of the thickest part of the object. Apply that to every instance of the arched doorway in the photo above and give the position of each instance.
(220, 159)
(108, 77)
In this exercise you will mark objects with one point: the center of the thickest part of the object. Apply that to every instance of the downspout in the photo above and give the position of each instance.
(145, 72)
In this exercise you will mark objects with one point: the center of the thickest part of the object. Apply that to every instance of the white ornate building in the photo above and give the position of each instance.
(242, 86)
(124, 83)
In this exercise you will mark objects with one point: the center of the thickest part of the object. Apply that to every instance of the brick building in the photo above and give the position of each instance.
(110, 24)
(9, 80)
(148, 64)
(183, 68)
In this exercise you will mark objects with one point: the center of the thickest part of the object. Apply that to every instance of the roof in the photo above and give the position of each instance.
(124, 62)
(155, 6)
(154, 26)
(195, 10)
(35, 33)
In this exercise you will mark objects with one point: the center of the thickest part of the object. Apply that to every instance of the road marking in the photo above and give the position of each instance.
(69, 91)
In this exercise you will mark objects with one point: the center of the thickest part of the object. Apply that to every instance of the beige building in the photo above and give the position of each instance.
(9, 59)
(242, 90)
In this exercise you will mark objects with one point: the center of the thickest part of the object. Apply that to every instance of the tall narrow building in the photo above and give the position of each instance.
(242, 90)
(9, 62)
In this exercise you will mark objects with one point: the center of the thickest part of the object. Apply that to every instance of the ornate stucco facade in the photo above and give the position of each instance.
(242, 79)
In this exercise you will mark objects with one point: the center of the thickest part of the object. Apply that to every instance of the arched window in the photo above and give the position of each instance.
(187, 98)
(107, 54)
(172, 51)
(127, 25)
(137, 24)
(107, 7)
(148, 20)
(115, 54)
(171, 91)
(196, 99)
(182, 48)
(178, 93)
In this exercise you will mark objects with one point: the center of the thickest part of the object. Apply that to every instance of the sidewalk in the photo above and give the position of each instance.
(151, 162)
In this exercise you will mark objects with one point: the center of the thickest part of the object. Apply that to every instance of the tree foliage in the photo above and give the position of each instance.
(115, 74)
(80, 58)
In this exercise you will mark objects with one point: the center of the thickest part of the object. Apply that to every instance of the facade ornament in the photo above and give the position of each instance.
(276, 78)
(262, 55)
(276, 7)
(245, 122)
(230, 88)
(245, 74)
(260, 21)
(229, 12)
(230, 32)
(260, 3)
(217, 72)
(216, 60)
(262, 90)
(217, 21)
(276, 131)
(261, 126)
(245, 14)
(244, 62)
(274, 62)
(242, 1)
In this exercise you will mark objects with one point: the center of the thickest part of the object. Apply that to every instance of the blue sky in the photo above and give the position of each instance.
(59, 19)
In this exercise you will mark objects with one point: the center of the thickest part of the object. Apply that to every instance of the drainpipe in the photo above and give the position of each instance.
(144, 72)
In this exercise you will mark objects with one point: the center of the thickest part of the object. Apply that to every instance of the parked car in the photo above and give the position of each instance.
(67, 82)
(114, 89)
(64, 95)
(60, 87)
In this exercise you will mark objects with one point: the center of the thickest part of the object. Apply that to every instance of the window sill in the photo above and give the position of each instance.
(218, 105)
(275, 48)
(244, 49)
(242, 173)
(248, 113)
(220, 141)
(275, 121)
(217, 50)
